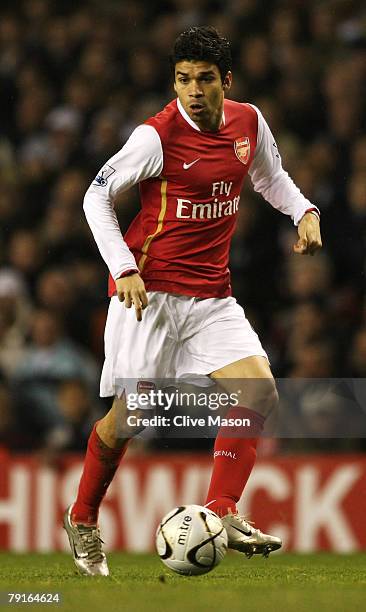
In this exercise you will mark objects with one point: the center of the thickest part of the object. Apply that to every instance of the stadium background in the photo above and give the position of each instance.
(75, 79)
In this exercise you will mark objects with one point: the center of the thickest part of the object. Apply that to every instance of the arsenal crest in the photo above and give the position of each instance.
(242, 149)
(145, 386)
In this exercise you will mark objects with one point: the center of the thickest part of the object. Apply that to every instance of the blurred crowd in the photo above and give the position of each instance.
(75, 80)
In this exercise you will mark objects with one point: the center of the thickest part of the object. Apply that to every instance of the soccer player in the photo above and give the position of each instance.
(190, 161)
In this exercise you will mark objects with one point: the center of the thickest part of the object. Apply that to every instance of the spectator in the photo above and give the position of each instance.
(79, 410)
(50, 359)
(15, 313)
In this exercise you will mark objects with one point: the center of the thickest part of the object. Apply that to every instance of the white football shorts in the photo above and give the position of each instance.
(179, 337)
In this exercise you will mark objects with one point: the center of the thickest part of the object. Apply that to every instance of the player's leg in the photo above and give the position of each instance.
(235, 449)
(251, 382)
(133, 351)
(107, 445)
(224, 346)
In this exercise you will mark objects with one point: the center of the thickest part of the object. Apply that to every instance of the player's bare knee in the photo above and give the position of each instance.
(115, 427)
(127, 423)
(132, 423)
(265, 397)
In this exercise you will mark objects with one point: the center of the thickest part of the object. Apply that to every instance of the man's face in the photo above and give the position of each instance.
(201, 92)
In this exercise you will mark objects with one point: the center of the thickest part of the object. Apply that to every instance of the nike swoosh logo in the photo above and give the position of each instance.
(246, 533)
(186, 166)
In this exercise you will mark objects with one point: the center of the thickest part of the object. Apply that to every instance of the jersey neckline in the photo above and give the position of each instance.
(187, 118)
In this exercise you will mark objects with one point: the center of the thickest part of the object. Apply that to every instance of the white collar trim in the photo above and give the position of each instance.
(189, 120)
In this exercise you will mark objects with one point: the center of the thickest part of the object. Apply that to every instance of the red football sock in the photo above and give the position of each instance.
(234, 458)
(100, 465)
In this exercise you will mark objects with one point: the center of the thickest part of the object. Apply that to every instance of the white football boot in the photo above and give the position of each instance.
(243, 537)
(86, 547)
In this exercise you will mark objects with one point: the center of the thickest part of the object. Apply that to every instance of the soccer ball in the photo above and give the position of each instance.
(191, 540)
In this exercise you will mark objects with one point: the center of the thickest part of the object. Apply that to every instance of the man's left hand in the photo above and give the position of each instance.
(309, 235)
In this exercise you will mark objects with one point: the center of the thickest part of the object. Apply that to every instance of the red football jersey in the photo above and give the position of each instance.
(181, 237)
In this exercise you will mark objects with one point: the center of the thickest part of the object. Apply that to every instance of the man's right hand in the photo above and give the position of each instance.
(131, 290)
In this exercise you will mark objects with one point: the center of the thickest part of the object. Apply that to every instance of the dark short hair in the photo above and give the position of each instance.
(203, 43)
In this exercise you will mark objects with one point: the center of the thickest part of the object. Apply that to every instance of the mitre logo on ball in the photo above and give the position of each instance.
(242, 149)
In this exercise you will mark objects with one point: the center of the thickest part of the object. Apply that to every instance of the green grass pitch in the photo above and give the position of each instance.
(284, 582)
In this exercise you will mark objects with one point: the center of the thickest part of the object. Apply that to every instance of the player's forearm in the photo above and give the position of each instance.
(103, 223)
